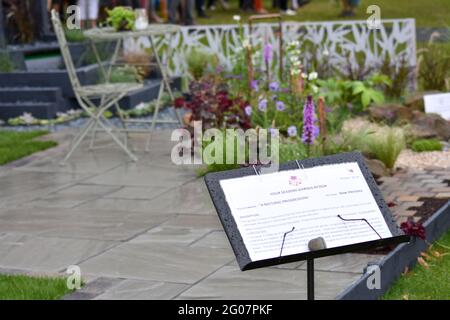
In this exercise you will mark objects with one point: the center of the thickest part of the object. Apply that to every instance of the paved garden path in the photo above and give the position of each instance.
(144, 230)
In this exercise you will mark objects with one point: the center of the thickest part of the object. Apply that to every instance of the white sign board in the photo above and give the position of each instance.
(289, 208)
(438, 103)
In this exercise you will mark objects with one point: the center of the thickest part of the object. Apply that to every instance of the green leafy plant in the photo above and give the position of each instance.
(121, 18)
(127, 74)
(199, 61)
(346, 141)
(6, 64)
(358, 94)
(422, 145)
(399, 73)
(292, 151)
(227, 140)
(386, 145)
(74, 35)
(366, 91)
(434, 66)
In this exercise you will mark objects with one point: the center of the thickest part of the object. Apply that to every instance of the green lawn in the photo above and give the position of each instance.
(32, 288)
(16, 145)
(426, 283)
(435, 13)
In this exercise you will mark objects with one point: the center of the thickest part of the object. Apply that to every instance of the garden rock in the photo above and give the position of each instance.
(377, 167)
(416, 102)
(430, 126)
(390, 113)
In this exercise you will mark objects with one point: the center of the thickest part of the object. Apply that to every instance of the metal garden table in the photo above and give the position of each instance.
(151, 32)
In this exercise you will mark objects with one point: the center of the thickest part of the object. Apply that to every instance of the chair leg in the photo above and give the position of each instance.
(165, 77)
(94, 132)
(123, 122)
(155, 116)
(93, 137)
(114, 137)
(81, 135)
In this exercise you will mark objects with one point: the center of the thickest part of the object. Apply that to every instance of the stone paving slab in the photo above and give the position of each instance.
(46, 254)
(158, 262)
(72, 196)
(133, 174)
(16, 183)
(143, 290)
(190, 198)
(214, 239)
(274, 284)
(136, 193)
(64, 223)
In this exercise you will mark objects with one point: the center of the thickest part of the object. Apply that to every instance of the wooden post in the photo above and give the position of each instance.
(280, 25)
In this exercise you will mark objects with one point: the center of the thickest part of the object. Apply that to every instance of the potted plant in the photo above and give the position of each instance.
(121, 18)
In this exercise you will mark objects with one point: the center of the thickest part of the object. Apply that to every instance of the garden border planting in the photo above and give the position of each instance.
(404, 255)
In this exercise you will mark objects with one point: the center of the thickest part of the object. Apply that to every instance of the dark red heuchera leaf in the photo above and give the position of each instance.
(391, 204)
(179, 102)
(412, 228)
(212, 104)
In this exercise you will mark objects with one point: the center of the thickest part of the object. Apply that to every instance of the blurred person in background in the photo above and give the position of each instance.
(223, 3)
(185, 13)
(349, 7)
(200, 8)
(88, 12)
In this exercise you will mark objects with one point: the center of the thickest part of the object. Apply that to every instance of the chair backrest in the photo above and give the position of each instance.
(61, 36)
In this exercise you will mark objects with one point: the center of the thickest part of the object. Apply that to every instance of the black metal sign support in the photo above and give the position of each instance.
(310, 276)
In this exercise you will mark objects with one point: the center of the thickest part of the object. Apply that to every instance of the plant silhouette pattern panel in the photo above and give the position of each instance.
(345, 45)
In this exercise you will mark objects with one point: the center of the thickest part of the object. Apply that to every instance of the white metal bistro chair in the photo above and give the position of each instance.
(107, 94)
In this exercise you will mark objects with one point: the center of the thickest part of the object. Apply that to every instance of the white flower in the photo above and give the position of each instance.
(73, 112)
(314, 88)
(27, 118)
(296, 63)
(237, 18)
(294, 43)
(293, 59)
(304, 75)
(325, 52)
(312, 76)
(295, 72)
(246, 44)
(141, 106)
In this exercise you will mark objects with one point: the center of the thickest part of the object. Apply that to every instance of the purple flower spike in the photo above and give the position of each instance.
(280, 106)
(268, 53)
(274, 86)
(273, 132)
(248, 110)
(292, 131)
(262, 105)
(254, 85)
(310, 128)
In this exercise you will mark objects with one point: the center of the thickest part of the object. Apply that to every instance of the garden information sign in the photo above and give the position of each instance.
(271, 218)
(438, 103)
